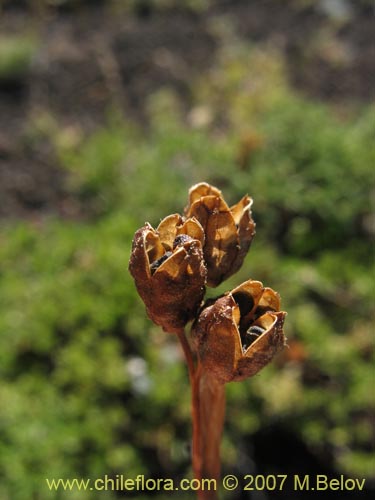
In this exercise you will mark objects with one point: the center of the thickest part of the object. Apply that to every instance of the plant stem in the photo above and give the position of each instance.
(208, 411)
(211, 422)
(188, 354)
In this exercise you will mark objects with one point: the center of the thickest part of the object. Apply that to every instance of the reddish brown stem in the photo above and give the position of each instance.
(188, 354)
(208, 411)
(197, 459)
(211, 412)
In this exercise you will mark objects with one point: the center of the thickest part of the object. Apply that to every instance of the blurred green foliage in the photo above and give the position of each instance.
(16, 53)
(90, 387)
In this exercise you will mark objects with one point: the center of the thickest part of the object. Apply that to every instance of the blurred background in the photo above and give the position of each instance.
(109, 112)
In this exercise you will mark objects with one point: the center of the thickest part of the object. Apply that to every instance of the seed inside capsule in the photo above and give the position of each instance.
(180, 240)
(157, 263)
(255, 330)
(251, 334)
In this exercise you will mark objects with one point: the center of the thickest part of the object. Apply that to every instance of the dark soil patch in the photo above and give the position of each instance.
(92, 58)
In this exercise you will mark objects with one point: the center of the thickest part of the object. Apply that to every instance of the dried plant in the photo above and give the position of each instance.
(232, 337)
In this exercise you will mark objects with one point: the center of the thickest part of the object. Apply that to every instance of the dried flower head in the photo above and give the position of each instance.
(169, 271)
(233, 336)
(240, 332)
(228, 230)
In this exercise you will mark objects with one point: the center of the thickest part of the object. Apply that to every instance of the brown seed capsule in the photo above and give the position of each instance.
(169, 271)
(222, 332)
(228, 230)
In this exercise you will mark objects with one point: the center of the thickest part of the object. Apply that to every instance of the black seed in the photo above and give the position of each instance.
(251, 334)
(180, 240)
(159, 262)
(255, 330)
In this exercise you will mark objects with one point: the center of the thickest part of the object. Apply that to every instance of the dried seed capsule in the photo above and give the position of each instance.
(228, 230)
(170, 277)
(223, 329)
